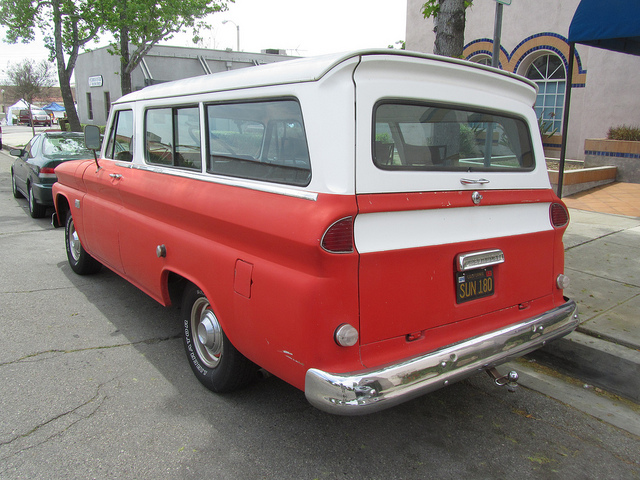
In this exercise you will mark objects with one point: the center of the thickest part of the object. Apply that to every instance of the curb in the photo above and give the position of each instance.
(607, 365)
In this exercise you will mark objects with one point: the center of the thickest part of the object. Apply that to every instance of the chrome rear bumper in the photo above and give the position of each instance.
(368, 391)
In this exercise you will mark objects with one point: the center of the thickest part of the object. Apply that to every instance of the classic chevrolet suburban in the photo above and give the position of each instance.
(368, 226)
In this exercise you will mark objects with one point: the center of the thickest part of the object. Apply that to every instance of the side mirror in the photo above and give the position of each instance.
(92, 137)
(16, 152)
(92, 141)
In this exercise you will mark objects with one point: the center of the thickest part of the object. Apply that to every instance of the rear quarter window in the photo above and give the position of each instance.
(258, 141)
(417, 136)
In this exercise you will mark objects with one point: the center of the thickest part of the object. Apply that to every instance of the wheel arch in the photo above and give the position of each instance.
(61, 205)
(175, 283)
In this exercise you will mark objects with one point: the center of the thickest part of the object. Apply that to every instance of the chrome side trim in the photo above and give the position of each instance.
(231, 181)
(372, 390)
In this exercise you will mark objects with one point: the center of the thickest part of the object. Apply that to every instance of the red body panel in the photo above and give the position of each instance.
(299, 294)
(413, 291)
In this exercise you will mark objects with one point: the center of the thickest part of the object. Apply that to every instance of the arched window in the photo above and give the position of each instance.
(482, 59)
(549, 74)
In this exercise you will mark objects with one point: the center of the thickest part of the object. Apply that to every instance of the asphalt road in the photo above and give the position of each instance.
(94, 384)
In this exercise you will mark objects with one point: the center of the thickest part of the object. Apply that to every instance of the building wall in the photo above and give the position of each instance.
(605, 91)
(161, 64)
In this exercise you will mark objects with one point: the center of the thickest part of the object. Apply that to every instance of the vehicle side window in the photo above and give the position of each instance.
(30, 149)
(258, 141)
(173, 137)
(120, 146)
(415, 136)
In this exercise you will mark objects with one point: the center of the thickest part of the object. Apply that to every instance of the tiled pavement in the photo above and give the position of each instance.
(616, 198)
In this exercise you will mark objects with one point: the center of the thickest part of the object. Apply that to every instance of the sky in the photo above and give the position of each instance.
(301, 27)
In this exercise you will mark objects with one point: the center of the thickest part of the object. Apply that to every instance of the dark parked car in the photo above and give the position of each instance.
(32, 173)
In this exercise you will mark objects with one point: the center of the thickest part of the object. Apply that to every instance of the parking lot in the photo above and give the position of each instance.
(94, 384)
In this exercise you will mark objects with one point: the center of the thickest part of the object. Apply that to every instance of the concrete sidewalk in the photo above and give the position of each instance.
(603, 263)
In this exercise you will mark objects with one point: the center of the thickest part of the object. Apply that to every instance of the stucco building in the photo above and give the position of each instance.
(534, 44)
(98, 80)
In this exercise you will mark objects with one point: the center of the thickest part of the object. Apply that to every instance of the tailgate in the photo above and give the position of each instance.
(411, 277)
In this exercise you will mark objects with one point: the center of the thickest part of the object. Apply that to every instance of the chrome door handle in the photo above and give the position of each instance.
(469, 181)
(117, 176)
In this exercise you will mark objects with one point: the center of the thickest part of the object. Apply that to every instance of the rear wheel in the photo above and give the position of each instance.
(35, 209)
(80, 261)
(14, 189)
(216, 363)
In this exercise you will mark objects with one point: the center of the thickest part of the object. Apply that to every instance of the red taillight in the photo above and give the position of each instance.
(559, 215)
(339, 237)
(47, 170)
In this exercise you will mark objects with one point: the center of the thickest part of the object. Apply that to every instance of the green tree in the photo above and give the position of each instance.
(68, 25)
(139, 25)
(448, 24)
(30, 80)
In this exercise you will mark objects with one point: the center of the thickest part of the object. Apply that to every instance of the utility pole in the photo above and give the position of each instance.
(495, 62)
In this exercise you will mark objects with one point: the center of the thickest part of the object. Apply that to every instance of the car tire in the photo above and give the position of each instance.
(35, 209)
(80, 261)
(216, 363)
(14, 189)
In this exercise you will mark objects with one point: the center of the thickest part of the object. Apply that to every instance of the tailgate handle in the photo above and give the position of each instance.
(469, 181)
(474, 260)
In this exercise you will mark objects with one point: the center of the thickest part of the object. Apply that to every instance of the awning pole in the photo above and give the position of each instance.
(565, 118)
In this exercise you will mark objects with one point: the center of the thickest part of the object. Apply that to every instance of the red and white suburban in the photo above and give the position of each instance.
(368, 226)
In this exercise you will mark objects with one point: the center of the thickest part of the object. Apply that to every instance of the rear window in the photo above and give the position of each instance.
(258, 141)
(414, 136)
(64, 146)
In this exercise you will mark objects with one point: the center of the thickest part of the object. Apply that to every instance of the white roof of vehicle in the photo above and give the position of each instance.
(308, 69)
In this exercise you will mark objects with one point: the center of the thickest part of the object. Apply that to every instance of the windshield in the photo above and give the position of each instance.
(65, 146)
(414, 136)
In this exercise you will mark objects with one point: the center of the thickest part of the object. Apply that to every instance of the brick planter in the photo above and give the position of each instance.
(623, 154)
(575, 181)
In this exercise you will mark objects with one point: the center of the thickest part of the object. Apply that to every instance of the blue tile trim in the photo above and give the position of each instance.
(531, 50)
(598, 153)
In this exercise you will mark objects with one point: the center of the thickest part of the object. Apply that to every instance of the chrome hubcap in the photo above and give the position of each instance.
(74, 243)
(208, 333)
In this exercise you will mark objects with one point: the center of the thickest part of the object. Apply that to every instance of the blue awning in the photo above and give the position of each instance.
(612, 25)
(54, 107)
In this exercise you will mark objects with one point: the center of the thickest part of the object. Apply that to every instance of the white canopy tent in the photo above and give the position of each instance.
(19, 105)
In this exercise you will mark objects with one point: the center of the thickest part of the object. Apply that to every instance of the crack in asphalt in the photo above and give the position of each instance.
(98, 397)
(71, 287)
(35, 356)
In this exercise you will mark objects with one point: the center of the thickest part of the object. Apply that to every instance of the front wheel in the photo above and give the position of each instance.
(216, 363)
(80, 261)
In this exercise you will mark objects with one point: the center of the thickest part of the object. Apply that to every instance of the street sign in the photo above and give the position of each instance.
(504, 2)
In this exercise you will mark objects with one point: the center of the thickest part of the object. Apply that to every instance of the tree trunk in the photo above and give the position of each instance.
(69, 104)
(449, 28)
(125, 73)
(64, 72)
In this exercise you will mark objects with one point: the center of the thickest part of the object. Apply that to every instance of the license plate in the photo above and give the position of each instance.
(474, 284)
